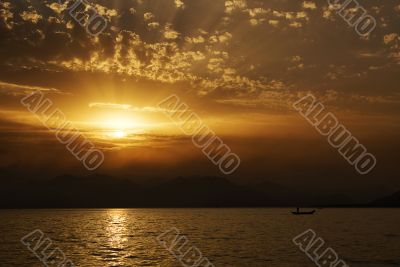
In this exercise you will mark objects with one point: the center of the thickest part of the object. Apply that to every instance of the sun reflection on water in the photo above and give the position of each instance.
(117, 230)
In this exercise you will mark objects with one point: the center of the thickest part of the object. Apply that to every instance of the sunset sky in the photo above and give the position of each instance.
(239, 65)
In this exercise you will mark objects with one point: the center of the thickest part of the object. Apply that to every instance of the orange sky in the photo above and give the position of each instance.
(239, 65)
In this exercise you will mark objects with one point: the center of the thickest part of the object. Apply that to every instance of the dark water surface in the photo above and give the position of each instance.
(227, 237)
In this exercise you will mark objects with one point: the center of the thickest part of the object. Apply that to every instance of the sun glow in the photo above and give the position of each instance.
(118, 134)
(117, 126)
(120, 124)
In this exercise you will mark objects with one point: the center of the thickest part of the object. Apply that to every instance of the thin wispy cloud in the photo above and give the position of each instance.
(126, 107)
(20, 89)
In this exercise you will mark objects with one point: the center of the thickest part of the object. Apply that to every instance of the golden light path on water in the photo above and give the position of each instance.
(227, 237)
(117, 228)
(117, 235)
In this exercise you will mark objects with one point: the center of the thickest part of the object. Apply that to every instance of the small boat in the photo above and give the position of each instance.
(298, 212)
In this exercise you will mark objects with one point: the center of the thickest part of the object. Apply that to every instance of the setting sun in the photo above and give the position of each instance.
(127, 127)
(118, 134)
(120, 123)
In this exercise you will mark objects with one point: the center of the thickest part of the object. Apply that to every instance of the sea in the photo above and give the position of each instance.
(224, 236)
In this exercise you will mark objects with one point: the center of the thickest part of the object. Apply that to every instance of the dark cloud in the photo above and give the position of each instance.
(241, 61)
(239, 50)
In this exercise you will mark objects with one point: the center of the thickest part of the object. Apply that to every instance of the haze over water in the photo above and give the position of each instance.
(227, 237)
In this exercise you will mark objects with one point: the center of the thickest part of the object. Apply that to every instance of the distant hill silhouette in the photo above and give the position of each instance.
(97, 191)
(290, 196)
(388, 201)
(102, 191)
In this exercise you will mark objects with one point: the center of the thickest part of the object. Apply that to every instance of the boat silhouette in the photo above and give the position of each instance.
(298, 212)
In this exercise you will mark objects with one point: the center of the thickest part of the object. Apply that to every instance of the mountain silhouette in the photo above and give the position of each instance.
(207, 191)
(392, 200)
(103, 191)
